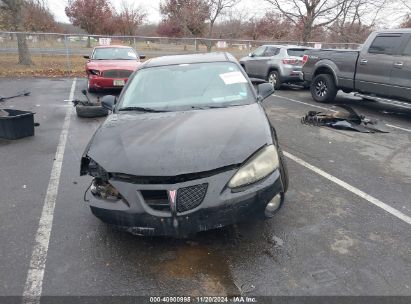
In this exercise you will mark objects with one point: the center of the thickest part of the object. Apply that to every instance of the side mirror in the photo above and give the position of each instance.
(251, 55)
(108, 102)
(264, 90)
(142, 56)
(86, 57)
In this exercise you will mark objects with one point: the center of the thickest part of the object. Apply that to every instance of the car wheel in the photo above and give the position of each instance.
(274, 79)
(323, 88)
(283, 171)
(90, 89)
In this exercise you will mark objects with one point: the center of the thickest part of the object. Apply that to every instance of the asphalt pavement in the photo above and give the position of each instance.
(343, 229)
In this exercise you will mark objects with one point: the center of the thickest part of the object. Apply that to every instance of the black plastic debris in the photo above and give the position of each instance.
(15, 124)
(347, 119)
(23, 93)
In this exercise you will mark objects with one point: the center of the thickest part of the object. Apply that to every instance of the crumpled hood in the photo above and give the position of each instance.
(175, 143)
(102, 65)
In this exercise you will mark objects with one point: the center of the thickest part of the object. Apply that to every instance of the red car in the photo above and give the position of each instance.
(110, 66)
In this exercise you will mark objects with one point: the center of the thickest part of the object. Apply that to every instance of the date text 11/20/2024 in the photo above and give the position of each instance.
(238, 299)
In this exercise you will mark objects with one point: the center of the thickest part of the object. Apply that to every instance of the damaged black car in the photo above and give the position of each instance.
(187, 148)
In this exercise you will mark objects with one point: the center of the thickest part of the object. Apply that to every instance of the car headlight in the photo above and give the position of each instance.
(105, 191)
(262, 164)
(95, 72)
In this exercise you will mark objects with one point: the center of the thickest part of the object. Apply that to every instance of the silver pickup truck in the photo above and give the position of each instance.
(381, 70)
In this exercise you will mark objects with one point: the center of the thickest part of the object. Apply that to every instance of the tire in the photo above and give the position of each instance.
(283, 171)
(91, 111)
(323, 88)
(274, 79)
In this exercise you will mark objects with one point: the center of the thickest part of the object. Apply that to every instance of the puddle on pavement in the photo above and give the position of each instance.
(206, 272)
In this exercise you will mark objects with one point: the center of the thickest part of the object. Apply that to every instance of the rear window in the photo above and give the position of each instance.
(297, 52)
(385, 45)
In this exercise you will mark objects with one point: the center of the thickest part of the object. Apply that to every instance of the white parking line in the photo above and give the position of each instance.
(352, 189)
(34, 281)
(395, 127)
(305, 103)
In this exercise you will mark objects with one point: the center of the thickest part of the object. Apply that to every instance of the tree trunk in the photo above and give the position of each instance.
(88, 42)
(24, 55)
(210, 36)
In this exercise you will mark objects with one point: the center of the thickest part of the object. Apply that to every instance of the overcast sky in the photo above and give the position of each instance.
(387, 19)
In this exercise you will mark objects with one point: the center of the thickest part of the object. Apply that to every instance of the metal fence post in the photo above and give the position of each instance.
(67, 54)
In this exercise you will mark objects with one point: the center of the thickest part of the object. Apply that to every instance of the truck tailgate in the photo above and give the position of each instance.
(344, 63)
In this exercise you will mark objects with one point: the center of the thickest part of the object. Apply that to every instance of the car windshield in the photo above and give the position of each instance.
(187, 86)
(112, 53)
(297, 52)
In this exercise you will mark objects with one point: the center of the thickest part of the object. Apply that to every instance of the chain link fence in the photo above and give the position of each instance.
(54, 53)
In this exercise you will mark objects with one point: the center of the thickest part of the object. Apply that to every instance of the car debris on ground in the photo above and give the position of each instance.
(19, 94)
(347, 119)
(88, 108)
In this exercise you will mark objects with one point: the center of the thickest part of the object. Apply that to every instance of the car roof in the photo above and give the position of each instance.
(113, 46)
(189, 58)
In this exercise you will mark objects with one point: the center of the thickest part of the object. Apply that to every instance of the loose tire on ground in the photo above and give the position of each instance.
(323, 88)
(274, 79)
(91, 111)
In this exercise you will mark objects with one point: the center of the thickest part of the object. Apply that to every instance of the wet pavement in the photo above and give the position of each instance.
(325, 241)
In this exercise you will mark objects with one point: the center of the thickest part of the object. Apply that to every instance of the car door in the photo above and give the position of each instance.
(401, 72)
(262, 65)
(253, 62)
(375, 64)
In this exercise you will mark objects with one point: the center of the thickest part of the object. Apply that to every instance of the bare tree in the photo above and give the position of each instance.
(186, 16)
(215, 9)
(14, 8)
(309, 15)
(357, 20)
(129, 18)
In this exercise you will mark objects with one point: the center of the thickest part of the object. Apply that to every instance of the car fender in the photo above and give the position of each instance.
(272, 66)
(326, 66)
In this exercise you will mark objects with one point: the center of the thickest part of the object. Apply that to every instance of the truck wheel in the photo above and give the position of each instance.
(274, 79)
(323, 88)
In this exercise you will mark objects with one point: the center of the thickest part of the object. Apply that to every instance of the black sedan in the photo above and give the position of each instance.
(187, 148)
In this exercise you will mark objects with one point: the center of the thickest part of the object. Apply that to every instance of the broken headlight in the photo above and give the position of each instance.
(95, 72)
(104, 190)
(262, 164)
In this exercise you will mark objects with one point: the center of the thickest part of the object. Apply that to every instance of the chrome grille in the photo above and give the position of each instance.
(117, 73)
(190, 197)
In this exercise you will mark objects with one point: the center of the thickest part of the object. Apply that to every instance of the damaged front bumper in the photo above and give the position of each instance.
(220, 206)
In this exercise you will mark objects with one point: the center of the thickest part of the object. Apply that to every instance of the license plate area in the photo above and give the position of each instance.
(118, 82)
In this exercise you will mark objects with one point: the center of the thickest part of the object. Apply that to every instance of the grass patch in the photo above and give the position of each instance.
(44, 66)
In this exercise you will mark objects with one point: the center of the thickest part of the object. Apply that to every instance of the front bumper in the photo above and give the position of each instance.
(99, 82)
(220, 207)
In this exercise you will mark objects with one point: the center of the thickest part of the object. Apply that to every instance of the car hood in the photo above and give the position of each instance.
(102, 65)
(176, 143)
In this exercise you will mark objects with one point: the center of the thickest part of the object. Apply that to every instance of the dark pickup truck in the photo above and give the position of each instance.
(381, 70)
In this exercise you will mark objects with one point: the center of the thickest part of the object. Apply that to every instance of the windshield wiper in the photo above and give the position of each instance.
(141, 109)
